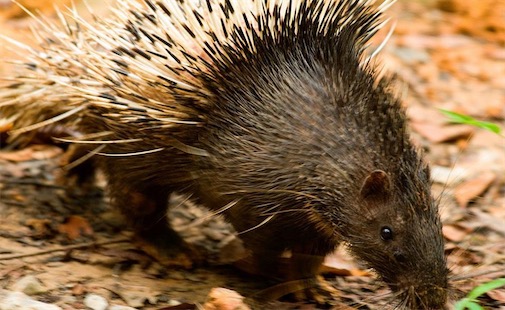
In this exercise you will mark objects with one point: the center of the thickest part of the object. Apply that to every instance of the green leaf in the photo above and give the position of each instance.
(470, 301)
(466, 303)
(489, 126)
(486, 287)
(457, 117)
(465, 119)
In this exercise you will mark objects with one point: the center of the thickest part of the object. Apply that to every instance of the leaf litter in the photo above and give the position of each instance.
(448, 54)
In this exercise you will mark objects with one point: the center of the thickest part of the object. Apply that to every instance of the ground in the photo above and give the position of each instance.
(447, 54)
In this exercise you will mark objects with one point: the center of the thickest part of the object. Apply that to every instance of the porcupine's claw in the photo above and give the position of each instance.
(318, 290)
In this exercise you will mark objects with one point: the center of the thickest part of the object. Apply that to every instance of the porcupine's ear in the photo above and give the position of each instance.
(376, 186)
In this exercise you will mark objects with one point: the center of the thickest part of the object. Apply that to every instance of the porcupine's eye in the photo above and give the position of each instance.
(386, 233)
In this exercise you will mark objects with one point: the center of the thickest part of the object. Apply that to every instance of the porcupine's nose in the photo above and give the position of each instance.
(431, 297)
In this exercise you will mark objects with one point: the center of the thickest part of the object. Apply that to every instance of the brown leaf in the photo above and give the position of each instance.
(34, 152)
(470, 189)
(340, 263)
(79, 290)
(224, 299)
(5, 126)
(498, 295)
(440, 133)
(489, 221)
(454, 233)
(42, 228)
(75, 226)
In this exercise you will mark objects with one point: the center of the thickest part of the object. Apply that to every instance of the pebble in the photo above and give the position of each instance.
(20, 301)
(29, 285)
(95, 302)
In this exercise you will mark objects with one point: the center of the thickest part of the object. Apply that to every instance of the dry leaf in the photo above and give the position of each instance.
(490, 221)
(498, 295)
(471, 189)
(75, 226)
(5, 126)
(440, 133)
(224, 299)
(34, 152)
(341, 264)
(42, 228)
(139, 296)
(79, 290)
(454, 233)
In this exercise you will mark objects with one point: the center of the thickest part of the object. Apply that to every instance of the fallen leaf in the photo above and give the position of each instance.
(341, 264)
(41, 227)
(5, 126)
(490, 221)
(443, 133)
(454, 233)
(224, 299)
(498, 295)
(34, 152)
(471, 189)
(75, 226)
(139, 297)
(79, 290)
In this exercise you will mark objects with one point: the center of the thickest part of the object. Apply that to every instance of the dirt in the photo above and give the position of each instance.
(447, 55)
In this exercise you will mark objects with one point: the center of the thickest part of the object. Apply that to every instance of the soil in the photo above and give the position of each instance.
(447, 54)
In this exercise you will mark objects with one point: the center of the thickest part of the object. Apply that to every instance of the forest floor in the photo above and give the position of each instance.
(69, 249)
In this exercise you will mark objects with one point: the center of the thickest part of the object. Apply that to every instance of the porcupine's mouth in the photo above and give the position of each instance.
(428, 297)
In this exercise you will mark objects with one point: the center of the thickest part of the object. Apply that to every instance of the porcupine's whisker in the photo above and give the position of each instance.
(83, 158)
(268, 219)
(281, 191)
(132, 153)
(285, 211)
(80, 141)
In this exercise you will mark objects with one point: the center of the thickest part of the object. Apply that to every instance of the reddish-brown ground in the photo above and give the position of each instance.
(448, 54)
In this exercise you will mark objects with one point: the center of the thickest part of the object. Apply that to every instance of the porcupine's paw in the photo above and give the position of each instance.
(317, 290)
(168, 248)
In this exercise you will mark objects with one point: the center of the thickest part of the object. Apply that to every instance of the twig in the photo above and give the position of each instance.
(10, 181)
(65, 248)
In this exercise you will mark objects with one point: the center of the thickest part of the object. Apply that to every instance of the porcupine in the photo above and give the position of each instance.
(268, 111)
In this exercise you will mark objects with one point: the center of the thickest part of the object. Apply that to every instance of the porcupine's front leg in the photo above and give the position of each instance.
(298, 275)
(145, 209)
(305, 265)
(77, 168)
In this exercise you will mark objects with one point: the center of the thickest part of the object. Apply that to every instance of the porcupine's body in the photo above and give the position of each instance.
(264, 109)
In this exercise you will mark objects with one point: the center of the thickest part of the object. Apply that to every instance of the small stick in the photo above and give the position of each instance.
(65, 248)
